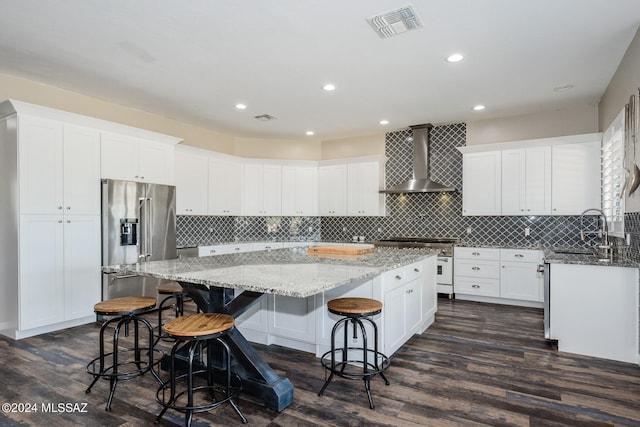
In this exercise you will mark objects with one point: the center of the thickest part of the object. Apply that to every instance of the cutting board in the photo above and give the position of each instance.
(340, 250)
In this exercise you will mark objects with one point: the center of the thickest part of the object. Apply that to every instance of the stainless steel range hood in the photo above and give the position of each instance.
(421, 183)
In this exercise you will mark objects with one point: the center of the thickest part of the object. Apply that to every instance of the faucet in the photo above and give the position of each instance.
(603, 233)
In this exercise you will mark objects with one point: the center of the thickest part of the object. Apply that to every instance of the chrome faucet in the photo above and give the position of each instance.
(605, 246)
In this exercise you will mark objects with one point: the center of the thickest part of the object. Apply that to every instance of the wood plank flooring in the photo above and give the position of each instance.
(479, 364)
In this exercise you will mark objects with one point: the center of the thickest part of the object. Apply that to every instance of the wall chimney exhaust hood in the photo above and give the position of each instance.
(421, 183)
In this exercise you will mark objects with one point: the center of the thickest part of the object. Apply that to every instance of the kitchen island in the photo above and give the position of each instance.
(404, 280)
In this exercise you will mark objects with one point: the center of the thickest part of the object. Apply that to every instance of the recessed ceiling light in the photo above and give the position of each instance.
(329, 87)
(478, 107)
(384, 122)
(563, 88)
(456, 57)
(310, 133)
(241, 106)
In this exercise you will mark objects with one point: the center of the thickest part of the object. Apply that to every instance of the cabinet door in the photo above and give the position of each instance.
(191, 183)
(81, 170)
(225, 187)
(82, 276)
(41, 165)
(272, 190)
(521, 281)
(292, 318)
(290, 191)
(513, 182)
(575, 178)
(363, 192)
(119, 157)
(252, 188)
(41, 294)
(332, 190)
(481, 179)
(156, 163)
(538, 181)
(299, 191)
(395, 319)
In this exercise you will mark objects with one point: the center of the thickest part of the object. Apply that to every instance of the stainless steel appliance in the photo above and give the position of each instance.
(138, 225)
(444, 245)
(546, 269)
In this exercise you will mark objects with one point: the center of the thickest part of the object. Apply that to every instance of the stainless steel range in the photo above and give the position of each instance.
(444, 246)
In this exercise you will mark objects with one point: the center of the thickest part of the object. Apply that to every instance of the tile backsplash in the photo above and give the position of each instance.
(423, 214)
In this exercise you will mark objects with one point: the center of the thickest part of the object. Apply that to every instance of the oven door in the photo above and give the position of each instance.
(444, 275)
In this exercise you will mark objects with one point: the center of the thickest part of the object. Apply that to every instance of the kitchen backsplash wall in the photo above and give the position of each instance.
(424, 214)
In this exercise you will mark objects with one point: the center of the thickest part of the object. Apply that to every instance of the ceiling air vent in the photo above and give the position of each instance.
(265, 117)
(395, 22)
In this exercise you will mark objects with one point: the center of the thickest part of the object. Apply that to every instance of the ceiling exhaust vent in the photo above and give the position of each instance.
(265, 117)
(395, 22)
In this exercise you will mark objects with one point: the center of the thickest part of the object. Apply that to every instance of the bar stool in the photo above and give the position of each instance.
(176, 295)
(372, 361)
(111, 366)
(198, 331)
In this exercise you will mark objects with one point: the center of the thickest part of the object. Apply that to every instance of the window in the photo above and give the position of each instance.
(614, 174)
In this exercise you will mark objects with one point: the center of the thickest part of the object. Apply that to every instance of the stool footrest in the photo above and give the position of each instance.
(353, 369)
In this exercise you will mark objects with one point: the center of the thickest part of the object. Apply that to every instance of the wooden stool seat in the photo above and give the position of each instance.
(125, 305)
(354, 306)
(198, 325)
(170, 288)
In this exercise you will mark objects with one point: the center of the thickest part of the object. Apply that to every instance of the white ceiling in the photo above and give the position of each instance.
(193, 60)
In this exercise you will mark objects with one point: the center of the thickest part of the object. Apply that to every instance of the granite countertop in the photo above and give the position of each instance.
(291, 272)
(551, 256)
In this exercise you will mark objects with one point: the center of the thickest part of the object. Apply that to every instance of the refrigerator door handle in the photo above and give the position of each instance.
(150, 225)
(142, 214)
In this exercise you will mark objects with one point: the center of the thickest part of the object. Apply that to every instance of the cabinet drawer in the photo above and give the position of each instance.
(477, 253)
(479, 286)
(520, 255)
(398, 277)
(471, 268)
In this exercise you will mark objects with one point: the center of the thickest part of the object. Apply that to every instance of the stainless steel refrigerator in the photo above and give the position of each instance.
(138, 225)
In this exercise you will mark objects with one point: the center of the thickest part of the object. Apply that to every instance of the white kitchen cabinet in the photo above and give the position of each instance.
(481, 183)
(299, 190)
(402, 316)
(59, 168)
(476, 271)
(225, 186)
(130, 158)
(363, 189)
(594, 310)
(41, 290)
(575, 177)
(526, 181)
(266, 246)
(520, 276)
(262, 189)
(332, 190)
(192, 177)
(230, 248)
(292, 320)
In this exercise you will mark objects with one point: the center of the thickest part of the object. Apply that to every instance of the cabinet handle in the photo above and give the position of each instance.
(475, 253)
(142, 177)
(417, 270)
(68, 208)
(475, 268)
(519, 256)
(475, 286)
(59, 221)
(212, 251)
(398, 277)
(409, 291)
(59, 207)
(68, 221)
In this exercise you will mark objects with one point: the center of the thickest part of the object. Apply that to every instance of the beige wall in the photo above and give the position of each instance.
(278, 149)
(570, 120)
(353, 146)
(625, 82)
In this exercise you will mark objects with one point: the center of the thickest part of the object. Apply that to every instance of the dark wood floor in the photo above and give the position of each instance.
(479, 364)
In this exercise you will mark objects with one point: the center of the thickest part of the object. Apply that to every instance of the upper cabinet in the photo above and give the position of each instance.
(299, 190)
(551, 176)
(351, 187)
(332, 190)
(225, 185)
(526, 181)
(59, 167)
(262, 189)
(481, 178)
(575, 177)
(192, 168)
(133, 159)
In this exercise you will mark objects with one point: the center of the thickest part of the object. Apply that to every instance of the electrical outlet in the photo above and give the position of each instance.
(468, 230)
(527, 232)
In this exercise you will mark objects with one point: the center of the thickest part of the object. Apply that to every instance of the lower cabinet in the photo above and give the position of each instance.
(60, 279)
(402, 314)
(503, 276)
